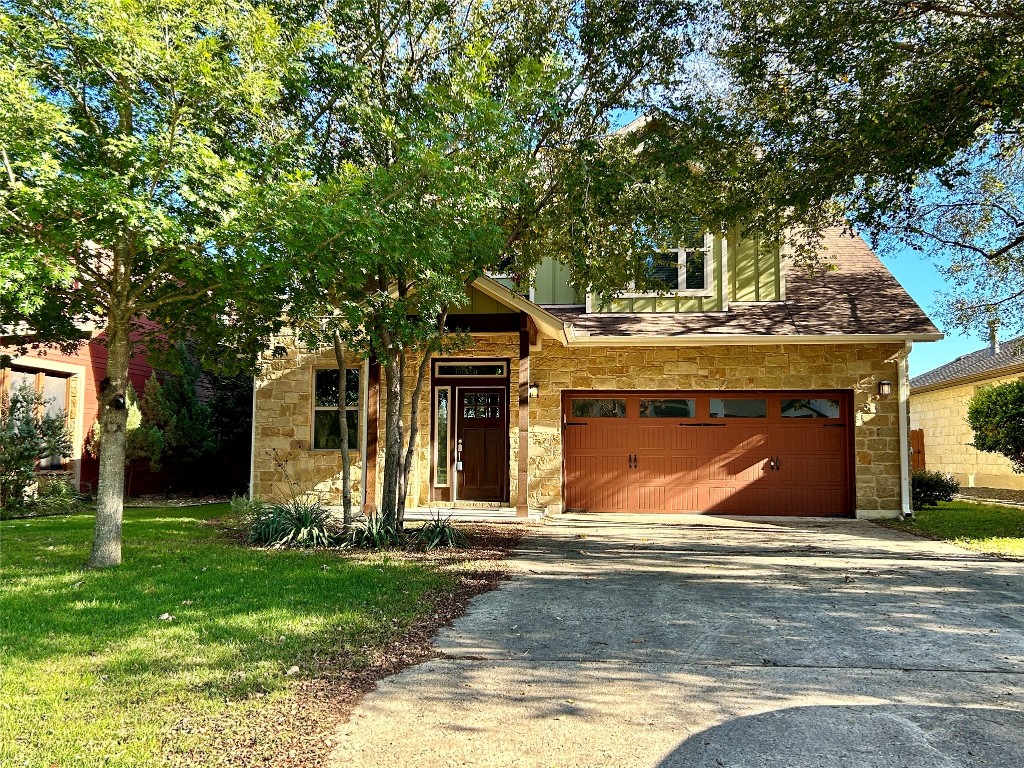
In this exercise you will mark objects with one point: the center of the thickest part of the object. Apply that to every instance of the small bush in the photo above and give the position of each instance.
(927, 489)
(58, 496)
(374, 533)
(439, 532)
(295, 524)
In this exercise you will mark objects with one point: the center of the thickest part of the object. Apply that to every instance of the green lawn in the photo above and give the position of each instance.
(989, 528)
(90, 675)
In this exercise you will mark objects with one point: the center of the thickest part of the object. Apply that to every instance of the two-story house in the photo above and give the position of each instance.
(746, 386)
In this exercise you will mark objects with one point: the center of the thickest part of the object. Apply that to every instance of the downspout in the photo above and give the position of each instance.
(363, 430)
(252, 443)
(904, 385)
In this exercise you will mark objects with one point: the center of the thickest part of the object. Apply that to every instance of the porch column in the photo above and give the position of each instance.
(522, 507)
(372, 404)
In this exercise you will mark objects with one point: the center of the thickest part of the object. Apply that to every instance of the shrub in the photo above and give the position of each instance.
(996, 415)
(28, 434)
(439, 532)
(57, 496)
(374, 533)
(297, 523)
(927, 489)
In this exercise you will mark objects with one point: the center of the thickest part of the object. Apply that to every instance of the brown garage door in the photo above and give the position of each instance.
(741, 453)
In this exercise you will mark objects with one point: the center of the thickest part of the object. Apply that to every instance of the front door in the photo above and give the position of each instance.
(481, 444)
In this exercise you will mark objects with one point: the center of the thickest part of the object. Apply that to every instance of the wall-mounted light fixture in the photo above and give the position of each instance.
(884, 388)
(534, 390)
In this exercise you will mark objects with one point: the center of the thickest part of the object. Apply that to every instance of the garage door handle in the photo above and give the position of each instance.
(575, 424)
(699, 424)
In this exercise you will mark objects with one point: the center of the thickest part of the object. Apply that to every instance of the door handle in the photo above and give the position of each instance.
(778, 464)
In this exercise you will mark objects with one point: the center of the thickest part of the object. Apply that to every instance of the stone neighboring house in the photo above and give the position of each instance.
(938, 412)
(750, 387)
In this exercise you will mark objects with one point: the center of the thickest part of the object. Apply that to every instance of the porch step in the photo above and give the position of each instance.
(463, 513)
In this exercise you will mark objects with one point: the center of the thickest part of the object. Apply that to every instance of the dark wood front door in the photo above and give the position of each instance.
(481, 434)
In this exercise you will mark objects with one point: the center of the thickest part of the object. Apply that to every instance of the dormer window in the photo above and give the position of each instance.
(682, 271)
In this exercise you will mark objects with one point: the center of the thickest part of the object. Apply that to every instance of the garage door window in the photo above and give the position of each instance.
(675, 408)
(739, 408)
(594, 408)
(816, 408)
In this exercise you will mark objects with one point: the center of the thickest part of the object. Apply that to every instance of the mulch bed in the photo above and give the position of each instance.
(297, 730)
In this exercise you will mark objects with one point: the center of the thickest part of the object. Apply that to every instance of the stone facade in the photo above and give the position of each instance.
(942, 415)
(284, 462)
(283, 407)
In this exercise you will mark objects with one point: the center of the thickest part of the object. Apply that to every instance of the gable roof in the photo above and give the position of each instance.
(974, 365)
(859, 298)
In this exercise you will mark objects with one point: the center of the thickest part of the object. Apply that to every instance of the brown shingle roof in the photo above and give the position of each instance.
(860, 296)
(974, 364)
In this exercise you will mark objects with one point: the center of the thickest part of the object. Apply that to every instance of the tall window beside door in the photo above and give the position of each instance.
(327, 392)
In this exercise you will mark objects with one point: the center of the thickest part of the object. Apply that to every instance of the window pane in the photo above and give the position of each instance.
(18, 379)
(327, 388)
(664, 269)
(441, 446)
(327, 435)
(816, 408)
(695, 270)
(470, 369)
(668, 409)
(55, 391)
(739, 408)
(587, 408)
(351, 386)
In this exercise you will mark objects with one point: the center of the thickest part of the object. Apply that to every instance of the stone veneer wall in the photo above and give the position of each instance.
(942, 414)
(769, 367)
(283, 407)
(283, 463)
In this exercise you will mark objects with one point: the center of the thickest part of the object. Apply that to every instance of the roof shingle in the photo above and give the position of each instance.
(974, 364)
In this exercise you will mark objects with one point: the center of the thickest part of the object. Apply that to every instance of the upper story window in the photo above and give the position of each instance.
(682, 271)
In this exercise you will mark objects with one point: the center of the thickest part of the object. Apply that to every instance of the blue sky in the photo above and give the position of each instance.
(918, 275)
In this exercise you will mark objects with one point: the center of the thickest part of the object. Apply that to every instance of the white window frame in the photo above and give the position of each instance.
(709, 274)
(448, 481)
(357, 407)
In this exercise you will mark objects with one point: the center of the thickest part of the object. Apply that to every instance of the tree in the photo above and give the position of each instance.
(996, 415)
(453, 138)
(903, 116)
(132, 133)
(29, 433)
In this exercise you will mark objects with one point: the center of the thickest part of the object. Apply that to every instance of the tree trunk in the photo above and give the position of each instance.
(392, 437)
(106, 544)
(410, 451)
(414, 426)
(346, 464)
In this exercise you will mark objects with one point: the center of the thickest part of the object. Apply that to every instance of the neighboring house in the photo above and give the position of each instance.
(71, 383)
(752, 387)
(938, 414)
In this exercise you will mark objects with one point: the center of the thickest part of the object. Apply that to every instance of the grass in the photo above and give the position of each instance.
(991, 528)
(91, 676)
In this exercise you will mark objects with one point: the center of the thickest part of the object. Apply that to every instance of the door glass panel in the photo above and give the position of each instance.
(739, 408)
(814, 408)
(594, 408)
(675, 408)
(441, 441)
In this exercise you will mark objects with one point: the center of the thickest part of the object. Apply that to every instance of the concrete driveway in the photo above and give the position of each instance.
(707, 641)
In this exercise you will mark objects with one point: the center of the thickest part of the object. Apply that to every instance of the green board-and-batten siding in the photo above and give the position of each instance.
(480, 303)
(551, 284)
(755, 269)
